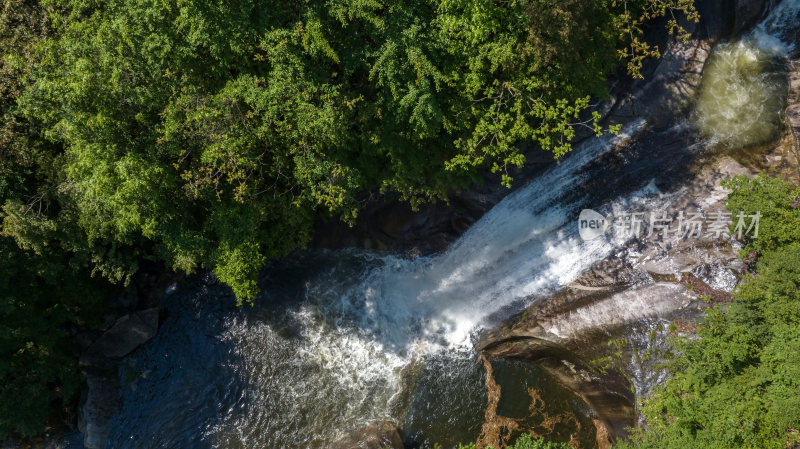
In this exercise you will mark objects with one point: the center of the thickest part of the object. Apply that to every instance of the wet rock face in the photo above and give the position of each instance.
(724, 18)
(390, 224)
(746, 13)
(670, 89)
(377, 435)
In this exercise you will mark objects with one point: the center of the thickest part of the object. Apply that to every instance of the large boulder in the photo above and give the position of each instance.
(128, 333)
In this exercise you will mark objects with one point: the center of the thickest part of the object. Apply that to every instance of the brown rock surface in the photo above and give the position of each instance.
(376, 435)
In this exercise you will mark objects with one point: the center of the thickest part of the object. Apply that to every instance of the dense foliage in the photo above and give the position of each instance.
(775, 201)
(213, 134)
(43, 300)
(738, 384)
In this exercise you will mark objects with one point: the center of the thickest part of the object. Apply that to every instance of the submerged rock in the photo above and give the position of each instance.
(377, 435)
(568, 335)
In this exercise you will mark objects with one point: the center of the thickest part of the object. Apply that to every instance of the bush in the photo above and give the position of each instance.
(771, 197)
(525, 441)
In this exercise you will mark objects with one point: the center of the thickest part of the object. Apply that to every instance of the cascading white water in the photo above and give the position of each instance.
(771, 31)
(359, 328)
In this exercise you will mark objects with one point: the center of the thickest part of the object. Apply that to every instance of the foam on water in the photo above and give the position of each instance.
(526, 245)
(770, 33)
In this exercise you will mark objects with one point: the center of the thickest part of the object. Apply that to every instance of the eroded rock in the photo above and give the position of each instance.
(793, 110)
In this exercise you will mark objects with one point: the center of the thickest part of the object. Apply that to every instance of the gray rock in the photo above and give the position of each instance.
(747, 13)
(670, 89)
(725, 18)
(102, 401)
(793, 109)
(127, 333)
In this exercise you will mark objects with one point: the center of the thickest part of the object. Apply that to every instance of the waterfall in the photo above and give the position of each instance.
(329, 344)
(772, 32)
(304, 365)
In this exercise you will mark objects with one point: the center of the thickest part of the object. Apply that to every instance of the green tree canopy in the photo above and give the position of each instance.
(212, 134)
(46, 293)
